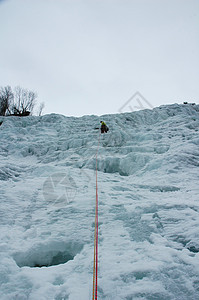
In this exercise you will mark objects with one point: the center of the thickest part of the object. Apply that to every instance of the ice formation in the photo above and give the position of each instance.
(148, 166)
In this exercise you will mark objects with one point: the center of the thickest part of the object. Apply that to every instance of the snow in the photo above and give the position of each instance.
(148, 205)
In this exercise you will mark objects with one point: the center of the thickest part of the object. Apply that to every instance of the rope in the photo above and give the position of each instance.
(95, 260)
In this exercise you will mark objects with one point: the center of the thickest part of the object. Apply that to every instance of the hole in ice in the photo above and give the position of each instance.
(193, 247)
(46, 255)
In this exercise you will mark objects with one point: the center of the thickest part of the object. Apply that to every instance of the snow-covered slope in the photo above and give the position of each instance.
(148, 167)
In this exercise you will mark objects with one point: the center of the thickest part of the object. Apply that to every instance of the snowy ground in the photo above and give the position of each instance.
(148, 206)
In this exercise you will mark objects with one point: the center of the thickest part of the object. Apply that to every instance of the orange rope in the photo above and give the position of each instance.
(95, 261)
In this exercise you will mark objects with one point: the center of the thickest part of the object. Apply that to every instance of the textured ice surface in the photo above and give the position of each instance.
(148, 206)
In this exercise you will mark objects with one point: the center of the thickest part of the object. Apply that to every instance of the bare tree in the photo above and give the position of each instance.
(6, 100)
(41, 107)
(19, 102)
(24, 101)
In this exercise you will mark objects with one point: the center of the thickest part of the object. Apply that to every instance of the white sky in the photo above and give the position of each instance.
(90, 56)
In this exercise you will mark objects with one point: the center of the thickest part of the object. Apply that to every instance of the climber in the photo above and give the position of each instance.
(104, 127)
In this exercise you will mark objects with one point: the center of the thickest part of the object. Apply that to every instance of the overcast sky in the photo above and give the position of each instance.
(90, 56)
